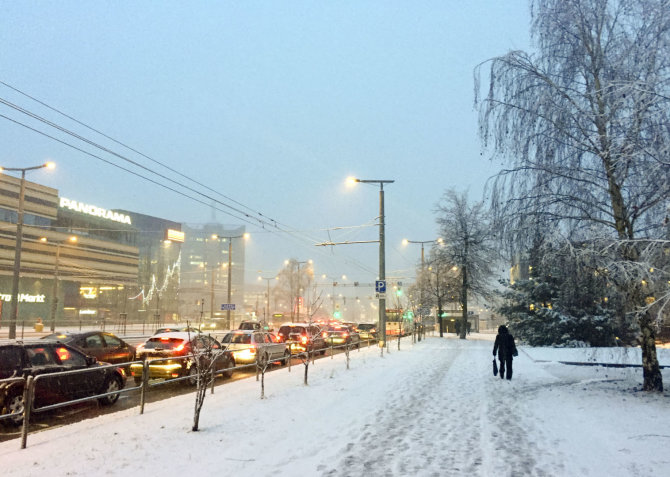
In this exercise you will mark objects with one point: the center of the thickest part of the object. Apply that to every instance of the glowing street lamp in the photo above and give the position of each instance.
(245, 236)
(382, 253)
(13, 318)
(54, 294)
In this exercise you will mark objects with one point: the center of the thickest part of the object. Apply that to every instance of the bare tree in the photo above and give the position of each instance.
(585, 126)
(292, 281)
(208, 360)
(466, 244)
(436, 284)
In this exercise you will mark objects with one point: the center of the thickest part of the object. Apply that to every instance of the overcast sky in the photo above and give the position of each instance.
(273, 104)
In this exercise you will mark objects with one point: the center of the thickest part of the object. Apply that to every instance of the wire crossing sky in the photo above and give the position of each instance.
(255, 113)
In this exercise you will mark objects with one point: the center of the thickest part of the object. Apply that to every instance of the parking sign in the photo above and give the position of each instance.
(380, 286)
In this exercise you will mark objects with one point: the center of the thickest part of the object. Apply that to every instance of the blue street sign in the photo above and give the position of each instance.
(227, 306)
(380, 286)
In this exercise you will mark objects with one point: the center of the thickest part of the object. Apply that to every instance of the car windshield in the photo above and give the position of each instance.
(163, 343)
(365, 326)
(237, 338)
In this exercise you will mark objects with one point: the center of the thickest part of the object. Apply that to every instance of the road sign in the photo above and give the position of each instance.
(381, 296)
(227, 306)
(380, 286)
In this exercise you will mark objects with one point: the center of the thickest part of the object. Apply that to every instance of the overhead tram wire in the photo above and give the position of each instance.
(125, 169)
(276, 222)
(120, 156)
(155, 161)
(275, 225)
(262, 221)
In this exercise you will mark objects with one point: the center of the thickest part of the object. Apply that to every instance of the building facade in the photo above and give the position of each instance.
(211, 255)
(82, 264)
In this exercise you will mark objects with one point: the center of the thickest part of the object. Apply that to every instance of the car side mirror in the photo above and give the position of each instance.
(90, 360)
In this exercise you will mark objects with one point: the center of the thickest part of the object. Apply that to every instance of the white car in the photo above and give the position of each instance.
(249, 345)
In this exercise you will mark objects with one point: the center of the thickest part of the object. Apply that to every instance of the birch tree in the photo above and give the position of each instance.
(584, 125)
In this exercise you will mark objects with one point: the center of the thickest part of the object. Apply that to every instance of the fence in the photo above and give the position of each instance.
(27, 385)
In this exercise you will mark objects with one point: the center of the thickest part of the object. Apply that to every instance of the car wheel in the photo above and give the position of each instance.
(228, 365)
(287, 356)
(192, 376)
(112, 384)
(14, 403)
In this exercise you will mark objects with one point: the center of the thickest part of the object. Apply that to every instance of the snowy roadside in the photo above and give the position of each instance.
(433, 408)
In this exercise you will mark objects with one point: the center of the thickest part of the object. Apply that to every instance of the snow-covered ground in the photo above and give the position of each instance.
(431, 409)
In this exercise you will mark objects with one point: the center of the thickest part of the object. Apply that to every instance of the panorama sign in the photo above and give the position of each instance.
(94, 210)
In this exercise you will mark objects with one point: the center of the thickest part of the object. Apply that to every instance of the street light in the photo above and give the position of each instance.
(230, 271)
(267, 304)
(54, 294)
(423, 269)
(299, 282)
(13, 318)
(382, 253)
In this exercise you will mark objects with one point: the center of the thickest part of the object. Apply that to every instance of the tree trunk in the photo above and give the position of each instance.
(464, 302)
(651, 372)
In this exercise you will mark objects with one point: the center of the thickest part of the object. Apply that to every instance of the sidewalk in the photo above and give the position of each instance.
(432, 408)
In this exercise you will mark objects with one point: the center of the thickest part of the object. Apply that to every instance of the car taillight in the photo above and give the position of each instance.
(252, 350)
(180, 347)
(324, 334)
(344, 335)
(303, 340)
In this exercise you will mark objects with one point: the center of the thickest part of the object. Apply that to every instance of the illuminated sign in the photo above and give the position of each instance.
(23, 297)
(94, 210)
(174, 235)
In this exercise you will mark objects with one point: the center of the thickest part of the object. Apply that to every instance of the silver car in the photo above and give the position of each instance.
(248, 346)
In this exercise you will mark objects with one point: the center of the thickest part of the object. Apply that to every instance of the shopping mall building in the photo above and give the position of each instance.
(86, 264)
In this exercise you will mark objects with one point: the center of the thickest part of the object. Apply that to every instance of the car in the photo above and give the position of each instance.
(302, 337)
(341, 335)
(247, 345)
(104, 346)
(251, 325)
(43, 357)
(170, 355)
(367, 331)
(168, 329)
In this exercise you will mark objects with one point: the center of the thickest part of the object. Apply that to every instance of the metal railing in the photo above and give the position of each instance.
(261, 365)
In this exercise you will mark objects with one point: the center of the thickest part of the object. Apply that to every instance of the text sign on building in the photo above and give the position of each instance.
(227, 306)
(174, 235)
(94, 210)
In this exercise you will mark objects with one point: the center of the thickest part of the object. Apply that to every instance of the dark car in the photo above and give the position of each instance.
(43, 357)
(367, 331)
(169, 329)
(170, 356)
(302, 337)
(341, 335)
(104, 346)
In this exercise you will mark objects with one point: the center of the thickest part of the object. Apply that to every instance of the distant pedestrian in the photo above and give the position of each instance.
(506, 349)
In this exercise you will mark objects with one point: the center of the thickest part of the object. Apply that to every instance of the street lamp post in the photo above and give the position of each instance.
(382, 254)
(299, 283)
(54, 293)
(230, 270)
(267, 303)
(19, 239)
(423, 269)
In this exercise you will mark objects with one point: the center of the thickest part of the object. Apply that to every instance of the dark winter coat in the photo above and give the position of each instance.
(504, 344)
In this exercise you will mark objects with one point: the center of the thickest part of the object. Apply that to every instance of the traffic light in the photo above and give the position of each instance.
(337, 314)
(398, 292)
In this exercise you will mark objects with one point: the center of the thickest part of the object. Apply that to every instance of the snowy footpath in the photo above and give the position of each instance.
(431, 409)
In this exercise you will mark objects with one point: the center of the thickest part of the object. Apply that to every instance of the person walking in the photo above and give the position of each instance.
(506, 349)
